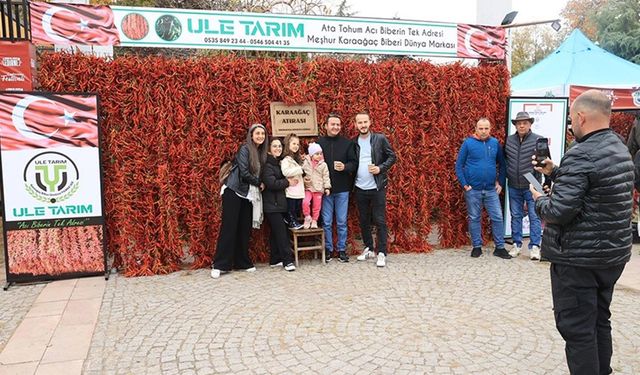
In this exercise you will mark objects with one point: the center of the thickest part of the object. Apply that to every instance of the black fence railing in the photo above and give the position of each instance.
(14, 20)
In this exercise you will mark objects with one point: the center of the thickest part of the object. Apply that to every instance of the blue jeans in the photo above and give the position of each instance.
(476, 199)
(517, 198)
(337, 203)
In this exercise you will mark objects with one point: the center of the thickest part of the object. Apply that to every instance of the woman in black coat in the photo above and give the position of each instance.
(274, 205)
(232, 249)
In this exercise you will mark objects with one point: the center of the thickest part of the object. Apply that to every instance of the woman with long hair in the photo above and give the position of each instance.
(274, 203)
(241, 204)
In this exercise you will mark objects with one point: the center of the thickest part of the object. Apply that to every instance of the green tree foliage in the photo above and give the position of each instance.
(618, 25)
(613, 24)
(580, 14)
(530, 45)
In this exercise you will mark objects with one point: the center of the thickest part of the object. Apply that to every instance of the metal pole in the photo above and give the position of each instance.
(529, 23)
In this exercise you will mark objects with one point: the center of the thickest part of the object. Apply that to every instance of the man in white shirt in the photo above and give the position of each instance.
(375, 157)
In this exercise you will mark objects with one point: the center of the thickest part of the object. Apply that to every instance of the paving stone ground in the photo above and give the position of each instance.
(437, 313)
(14, 303)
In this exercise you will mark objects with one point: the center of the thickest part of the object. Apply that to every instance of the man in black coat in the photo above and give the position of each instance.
(375, 157)
(588, 236)
(340, 156)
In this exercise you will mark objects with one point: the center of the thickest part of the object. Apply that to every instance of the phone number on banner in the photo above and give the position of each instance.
(261, 42)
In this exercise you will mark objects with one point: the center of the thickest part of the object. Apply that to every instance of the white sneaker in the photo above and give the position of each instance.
(366, 253)
(251, 269)
(307, 222)
(515, 250)
(215, 273)
(382, 260)
(275, 265)
(535, 253)
(290, 267)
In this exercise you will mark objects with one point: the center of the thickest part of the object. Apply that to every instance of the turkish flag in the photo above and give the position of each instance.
(481, 42)
(65, 24)
(38, 120)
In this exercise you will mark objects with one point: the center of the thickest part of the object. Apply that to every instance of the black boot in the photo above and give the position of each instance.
(293, 223)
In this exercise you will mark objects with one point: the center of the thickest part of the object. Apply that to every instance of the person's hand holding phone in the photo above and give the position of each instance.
(534, 186)
(546, 167)
(535, 194)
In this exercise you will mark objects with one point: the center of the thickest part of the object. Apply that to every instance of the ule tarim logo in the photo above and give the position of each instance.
(51, 177)
(636, 98)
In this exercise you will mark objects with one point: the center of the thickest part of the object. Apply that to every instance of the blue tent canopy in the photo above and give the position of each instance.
(577, 61)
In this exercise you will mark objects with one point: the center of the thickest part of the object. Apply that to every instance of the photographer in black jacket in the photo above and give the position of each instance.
(588, 236)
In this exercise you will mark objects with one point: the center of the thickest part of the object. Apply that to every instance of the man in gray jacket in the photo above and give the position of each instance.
(518, 150)
(587, 237)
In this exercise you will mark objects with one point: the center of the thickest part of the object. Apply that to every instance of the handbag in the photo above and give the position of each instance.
(225, 171)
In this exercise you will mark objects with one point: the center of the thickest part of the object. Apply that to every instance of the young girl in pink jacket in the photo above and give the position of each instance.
(316, 183)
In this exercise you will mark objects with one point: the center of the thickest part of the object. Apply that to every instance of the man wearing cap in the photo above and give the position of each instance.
(476, 172)
(518, 150)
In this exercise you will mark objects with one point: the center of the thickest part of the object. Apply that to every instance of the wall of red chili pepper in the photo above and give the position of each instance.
(169, 123)
(622, 122)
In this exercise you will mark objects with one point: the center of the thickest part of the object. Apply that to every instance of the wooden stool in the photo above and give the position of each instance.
(308, 239)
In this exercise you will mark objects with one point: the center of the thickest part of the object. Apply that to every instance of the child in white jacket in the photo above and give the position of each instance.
(291, 167)
(316, 183)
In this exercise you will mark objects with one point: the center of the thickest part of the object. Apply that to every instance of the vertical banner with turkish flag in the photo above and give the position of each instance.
(52, 186)
(477, 41)
(65, 24)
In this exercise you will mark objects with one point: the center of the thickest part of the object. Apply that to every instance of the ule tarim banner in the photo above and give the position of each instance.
(184, 28)
(51, 185)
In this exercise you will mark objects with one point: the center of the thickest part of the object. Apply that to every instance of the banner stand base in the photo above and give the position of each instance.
(7, 285)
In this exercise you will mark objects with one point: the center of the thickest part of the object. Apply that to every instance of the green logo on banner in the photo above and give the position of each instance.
(51, 177)
(50, 183)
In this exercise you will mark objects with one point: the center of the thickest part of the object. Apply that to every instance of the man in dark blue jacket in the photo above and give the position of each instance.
(476, 171)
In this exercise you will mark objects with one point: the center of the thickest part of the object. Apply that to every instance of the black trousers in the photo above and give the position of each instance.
(581, 300)
(232, 250)
(279, 239)
(373, 204)
(294, 207)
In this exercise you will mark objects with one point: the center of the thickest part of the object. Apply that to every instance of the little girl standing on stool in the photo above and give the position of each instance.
(316, 183)
(291, 168)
